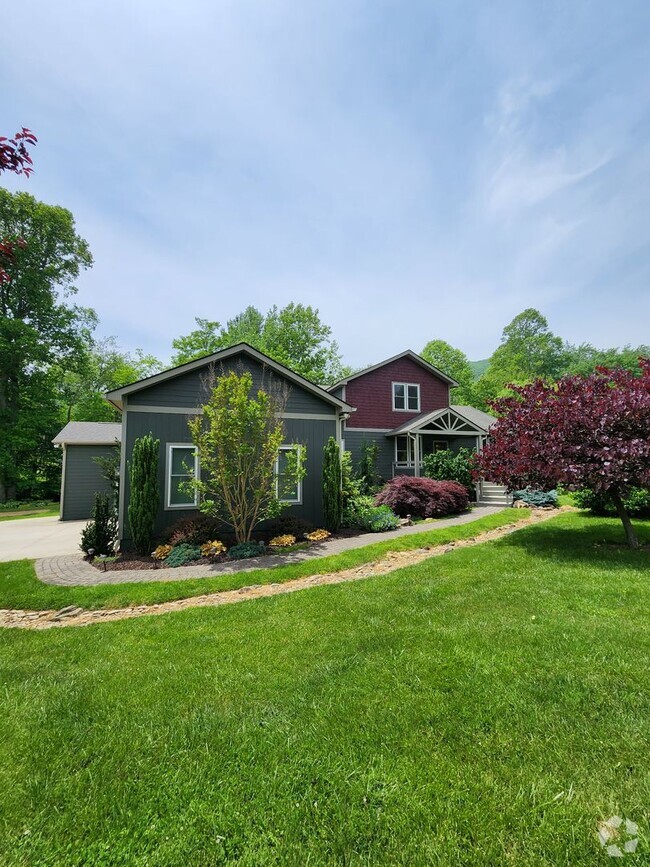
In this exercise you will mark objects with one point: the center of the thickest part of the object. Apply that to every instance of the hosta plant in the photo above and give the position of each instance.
(318, 535)
(284, 541)
(213, 549)
(161, 552)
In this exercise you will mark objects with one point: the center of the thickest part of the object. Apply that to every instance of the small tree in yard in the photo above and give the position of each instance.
(332, 485)
(238, 438)
(143, 501)
(582, 432)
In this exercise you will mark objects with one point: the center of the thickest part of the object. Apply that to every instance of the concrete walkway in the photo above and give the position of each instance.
(39, 537)
(69, 571)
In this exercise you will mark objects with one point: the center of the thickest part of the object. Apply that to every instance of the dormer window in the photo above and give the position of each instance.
(406, 397)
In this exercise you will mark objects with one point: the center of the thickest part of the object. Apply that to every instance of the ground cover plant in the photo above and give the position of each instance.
(487, 707)
(20, 588)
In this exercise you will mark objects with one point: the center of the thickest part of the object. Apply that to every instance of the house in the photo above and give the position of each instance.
(401, 404)
(82, 442)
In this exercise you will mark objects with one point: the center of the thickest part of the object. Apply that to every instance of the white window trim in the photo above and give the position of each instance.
(168, 466)
(406, 385)
(409, 452)
(286, 448)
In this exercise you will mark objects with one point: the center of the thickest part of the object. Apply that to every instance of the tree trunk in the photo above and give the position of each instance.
(630, 535)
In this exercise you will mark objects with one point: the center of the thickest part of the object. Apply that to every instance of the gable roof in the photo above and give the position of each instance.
(482, 421)
(116, 396)
(408, 353)
(89, 433)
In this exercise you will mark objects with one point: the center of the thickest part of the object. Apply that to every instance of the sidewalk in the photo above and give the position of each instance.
(73, 570)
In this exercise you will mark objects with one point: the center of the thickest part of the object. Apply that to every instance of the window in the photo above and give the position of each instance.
(406, 397)
(402, 450)
(286, 491)
(182, 465)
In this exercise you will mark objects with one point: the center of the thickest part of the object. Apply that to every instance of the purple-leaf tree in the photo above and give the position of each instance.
(580, 432)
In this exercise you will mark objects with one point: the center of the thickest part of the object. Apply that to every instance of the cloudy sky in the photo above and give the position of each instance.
(415, 170)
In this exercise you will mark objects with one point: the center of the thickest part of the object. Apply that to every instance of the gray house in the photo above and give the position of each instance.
(81, 476)
(162, 404)
(402, 405)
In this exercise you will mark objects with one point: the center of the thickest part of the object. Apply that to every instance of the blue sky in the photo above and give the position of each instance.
(415, 170)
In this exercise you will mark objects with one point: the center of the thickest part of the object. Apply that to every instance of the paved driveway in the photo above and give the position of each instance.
(39, 537)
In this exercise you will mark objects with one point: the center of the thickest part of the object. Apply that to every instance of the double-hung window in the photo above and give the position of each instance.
(182, 465)
(406, 397)
(287, 491)
(402, 449)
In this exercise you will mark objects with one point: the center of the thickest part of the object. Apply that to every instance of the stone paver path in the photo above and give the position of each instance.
(73, 570)
(75, 616)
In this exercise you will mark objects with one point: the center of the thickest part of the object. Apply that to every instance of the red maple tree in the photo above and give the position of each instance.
(580, 432)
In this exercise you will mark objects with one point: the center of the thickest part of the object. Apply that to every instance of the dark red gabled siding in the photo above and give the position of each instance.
(372, 394)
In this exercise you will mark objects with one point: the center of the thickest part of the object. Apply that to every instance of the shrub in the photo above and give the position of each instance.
(534, 497)
(352, 514)
(350, 486)
(332, 485)
(284, 541)
(447, 466)
(367, 472)
(318, 535)
(378, 519)
(182, 554)
(143, 502)
(100, 534)
(213, 549)
(161, 552)
(291, 525)
(637, 502)
(193, 531)
(245, 550)
(422, 497)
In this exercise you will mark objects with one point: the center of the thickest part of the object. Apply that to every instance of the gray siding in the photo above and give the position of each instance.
(172, 428)
(385, 457)
(190, 390)
(83, 478)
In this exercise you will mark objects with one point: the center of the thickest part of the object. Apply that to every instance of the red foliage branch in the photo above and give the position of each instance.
(14, 156)
(581, 432)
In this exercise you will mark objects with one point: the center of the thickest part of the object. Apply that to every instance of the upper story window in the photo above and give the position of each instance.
(406, 397)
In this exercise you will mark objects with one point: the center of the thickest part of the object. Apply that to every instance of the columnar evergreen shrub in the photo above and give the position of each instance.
(422, 497)
(332, 485)
(100, 534)
(143, 503)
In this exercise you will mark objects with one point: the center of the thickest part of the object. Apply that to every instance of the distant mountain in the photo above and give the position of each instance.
(479, 367)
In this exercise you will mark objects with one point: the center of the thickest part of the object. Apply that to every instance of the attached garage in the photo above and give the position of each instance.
(81, 475)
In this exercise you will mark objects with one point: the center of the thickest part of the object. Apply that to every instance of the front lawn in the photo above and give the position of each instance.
(487, 707)
(20, 588)
(29, 511)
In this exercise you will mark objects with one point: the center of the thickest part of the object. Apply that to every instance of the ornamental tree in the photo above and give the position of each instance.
(581, 432)
(238, 438)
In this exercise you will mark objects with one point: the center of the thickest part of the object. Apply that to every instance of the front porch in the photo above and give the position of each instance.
(433, 432)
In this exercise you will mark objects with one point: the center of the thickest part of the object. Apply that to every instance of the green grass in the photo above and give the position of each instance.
(483, 708)
(20, 588)
(40, 513)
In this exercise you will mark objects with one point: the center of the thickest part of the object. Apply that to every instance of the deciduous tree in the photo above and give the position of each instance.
(454, 363)
(293, 335)
(38, 328)
(238, 437)
(582, 432)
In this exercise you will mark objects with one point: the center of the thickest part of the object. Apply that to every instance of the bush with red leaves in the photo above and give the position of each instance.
(423, 498)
